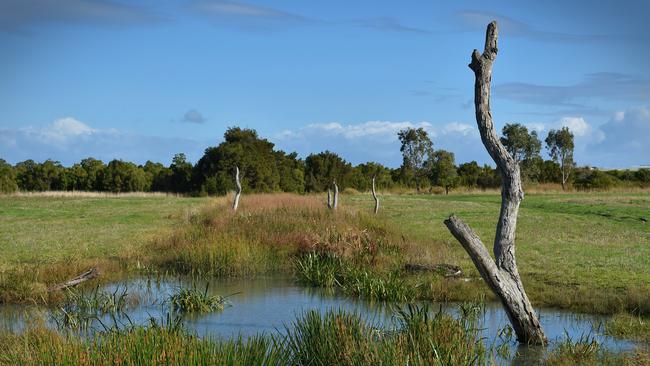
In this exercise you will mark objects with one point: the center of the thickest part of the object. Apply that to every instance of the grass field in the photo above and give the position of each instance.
(41, 229)
(571, 248)
(586, 252)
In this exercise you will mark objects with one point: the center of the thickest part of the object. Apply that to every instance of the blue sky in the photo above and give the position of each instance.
(143, 80)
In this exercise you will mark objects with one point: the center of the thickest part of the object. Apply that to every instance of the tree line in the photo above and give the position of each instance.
(266, 169)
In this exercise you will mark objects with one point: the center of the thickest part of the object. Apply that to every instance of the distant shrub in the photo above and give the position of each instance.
(350, 190)
(594, 179)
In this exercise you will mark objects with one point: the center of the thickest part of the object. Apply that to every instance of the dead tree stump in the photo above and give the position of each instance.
(374, 195)
(501, 274)
(235, 202)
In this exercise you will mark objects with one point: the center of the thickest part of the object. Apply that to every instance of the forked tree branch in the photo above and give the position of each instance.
(500, 274)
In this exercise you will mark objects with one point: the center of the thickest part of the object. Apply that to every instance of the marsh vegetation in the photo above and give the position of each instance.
(352, 251)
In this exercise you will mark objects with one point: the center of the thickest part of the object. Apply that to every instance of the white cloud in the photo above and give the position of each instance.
(581, 129)
(377, 140)
(626, 140)
(456, 127)
(69, 140)
(622, 142)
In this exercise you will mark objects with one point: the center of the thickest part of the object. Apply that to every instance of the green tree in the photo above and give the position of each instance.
(524, 147)
(181, 174)
(443, 170)
(159, 176)
(323, 168)
(32, 176)
(94, 172)
(365, 172)
(469, 173)
(76, 177)
(291, 171)
(256, 159)
(121, 176)
(416, 149)
(489, 178)
(549, 172)
(7, 178)
(560, 146)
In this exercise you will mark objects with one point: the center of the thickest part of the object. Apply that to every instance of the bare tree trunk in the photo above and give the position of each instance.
(374, 195)
(501, 274)
(329, 198)
(336, 196)
(235, 203)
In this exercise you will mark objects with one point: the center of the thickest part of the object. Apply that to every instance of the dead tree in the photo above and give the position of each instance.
(374, 195)
(329, 198)
(336, 196)
(88, 275)
(235, 202)
(501, 274)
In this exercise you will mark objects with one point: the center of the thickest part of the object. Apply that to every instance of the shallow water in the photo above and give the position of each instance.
(268, 305)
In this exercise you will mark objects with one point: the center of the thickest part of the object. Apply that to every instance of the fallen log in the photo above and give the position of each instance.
(88, 275)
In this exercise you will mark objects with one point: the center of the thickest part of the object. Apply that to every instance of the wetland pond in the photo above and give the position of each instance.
(270, 304)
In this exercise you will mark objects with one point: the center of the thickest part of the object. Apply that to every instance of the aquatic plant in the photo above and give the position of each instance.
(82, 309)
(193, 300)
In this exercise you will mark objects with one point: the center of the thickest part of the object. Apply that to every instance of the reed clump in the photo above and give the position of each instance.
(193, 300)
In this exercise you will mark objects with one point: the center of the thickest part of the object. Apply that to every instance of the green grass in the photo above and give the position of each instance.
(41, 229)
(46, 239)
(629, 326)
(587, 252)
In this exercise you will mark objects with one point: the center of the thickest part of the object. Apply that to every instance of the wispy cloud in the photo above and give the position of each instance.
(70, 140)
(245, 15)
(476, 20)
(389, 24)
(601, 86)
(249, 16)
(20, 15)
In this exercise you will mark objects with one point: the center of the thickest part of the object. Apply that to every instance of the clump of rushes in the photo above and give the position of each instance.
(193, 300)
(629, 326)
(340, 338)
(587, 351)
(331, 271)
(319, 270)
(81, 309)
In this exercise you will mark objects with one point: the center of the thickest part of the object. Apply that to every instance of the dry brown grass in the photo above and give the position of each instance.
(266, 233)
